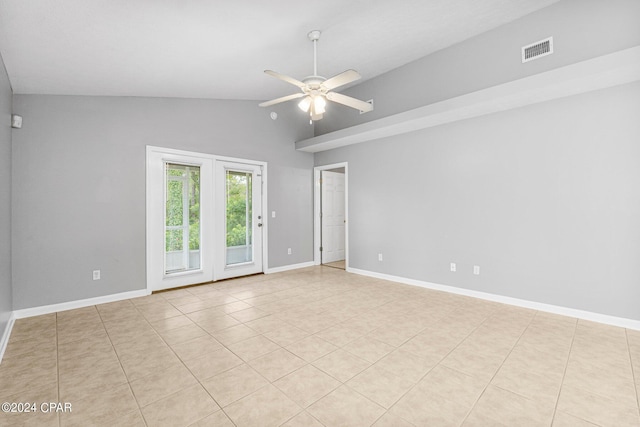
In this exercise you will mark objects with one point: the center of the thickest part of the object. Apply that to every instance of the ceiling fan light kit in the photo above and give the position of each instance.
(317, 90)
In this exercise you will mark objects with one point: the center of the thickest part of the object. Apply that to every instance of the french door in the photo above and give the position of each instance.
(239, 219)
(204, 218)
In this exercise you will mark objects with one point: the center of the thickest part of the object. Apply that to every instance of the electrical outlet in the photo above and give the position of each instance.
(96, 274)
(379, 257)
(289, 251)
(476, 270)
(453, 267)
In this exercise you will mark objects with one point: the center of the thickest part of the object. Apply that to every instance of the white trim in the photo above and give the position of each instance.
(4, 342)
(289, 267)
(555, 309)
(316, 210)
(598, 73)
(63, 306)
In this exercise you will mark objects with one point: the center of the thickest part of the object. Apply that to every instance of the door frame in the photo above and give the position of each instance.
(317, 224)
(151, 156)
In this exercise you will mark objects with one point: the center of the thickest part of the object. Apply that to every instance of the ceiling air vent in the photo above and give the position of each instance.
(537, 50)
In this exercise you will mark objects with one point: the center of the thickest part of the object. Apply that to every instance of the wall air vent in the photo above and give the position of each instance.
(537, 50)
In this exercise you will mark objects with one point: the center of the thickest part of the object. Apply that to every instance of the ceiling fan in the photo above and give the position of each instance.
(316, 90)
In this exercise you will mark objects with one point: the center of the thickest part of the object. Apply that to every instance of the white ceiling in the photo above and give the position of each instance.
(219, 48)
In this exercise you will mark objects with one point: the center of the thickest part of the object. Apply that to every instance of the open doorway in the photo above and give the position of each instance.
(331, 216)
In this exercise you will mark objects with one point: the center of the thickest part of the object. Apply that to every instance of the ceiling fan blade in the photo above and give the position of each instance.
(341, 79)
(281, 99)
(287, 79)
(349, 101)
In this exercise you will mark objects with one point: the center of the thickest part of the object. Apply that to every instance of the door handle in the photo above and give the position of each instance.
(259, 224)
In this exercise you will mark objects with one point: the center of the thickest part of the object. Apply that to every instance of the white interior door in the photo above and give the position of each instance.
(239, 219)
(179, 218)
(333, 216)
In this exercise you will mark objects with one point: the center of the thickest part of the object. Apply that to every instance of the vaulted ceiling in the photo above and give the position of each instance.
(218, 49)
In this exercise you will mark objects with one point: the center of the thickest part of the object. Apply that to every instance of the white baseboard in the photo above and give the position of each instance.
(289, 267)
(564, 311)
(4, 340)
(63, 306)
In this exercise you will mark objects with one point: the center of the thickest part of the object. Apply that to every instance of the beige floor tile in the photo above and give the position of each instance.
(181, 408)
(452, 385)
(46, 343)
(253, 347)
(142, 364)
(614, 382)
(311, 348)
(234, 384)
(161, 384)
(147, 343)
(132, 333)
(182, 334)
(266, 407)
(530, 384)
(233, 334)
(249, 314)
(390, 420)
(158, 310)
(406, 365)
(345, 407)
(196, 347)
(339, 335)
(513, 409)
(369, 349)
(217, 419)
(234, 306)
(597, 409)
(392, 335)
(100, 408)
(77, 332)
(562, 419)
(277, 364)
(303, 419)
(380, 385)
(208, 314)
(470, 360)
(219, 323)
(86, 378)
(423, 409)
(286, 335)
(165, 325)
(77, 349)
(212, 364)
(266, 324)
(532, 358)
(450, 344)
(42, 394)
(306, 385)
(33, 327)
(341, 365)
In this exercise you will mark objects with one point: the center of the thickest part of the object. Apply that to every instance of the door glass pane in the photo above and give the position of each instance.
(239, 217)
(182, 224)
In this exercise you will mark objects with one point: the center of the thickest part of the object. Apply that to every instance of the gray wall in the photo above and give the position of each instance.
(79, 185)
(5, 198)
(581, 30)
(545, 199)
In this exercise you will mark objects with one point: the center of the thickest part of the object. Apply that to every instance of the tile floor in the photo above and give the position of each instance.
(318, 347)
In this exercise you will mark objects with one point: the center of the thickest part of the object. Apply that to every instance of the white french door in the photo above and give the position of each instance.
(180, 232)
(204, 218)
(239, 219)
